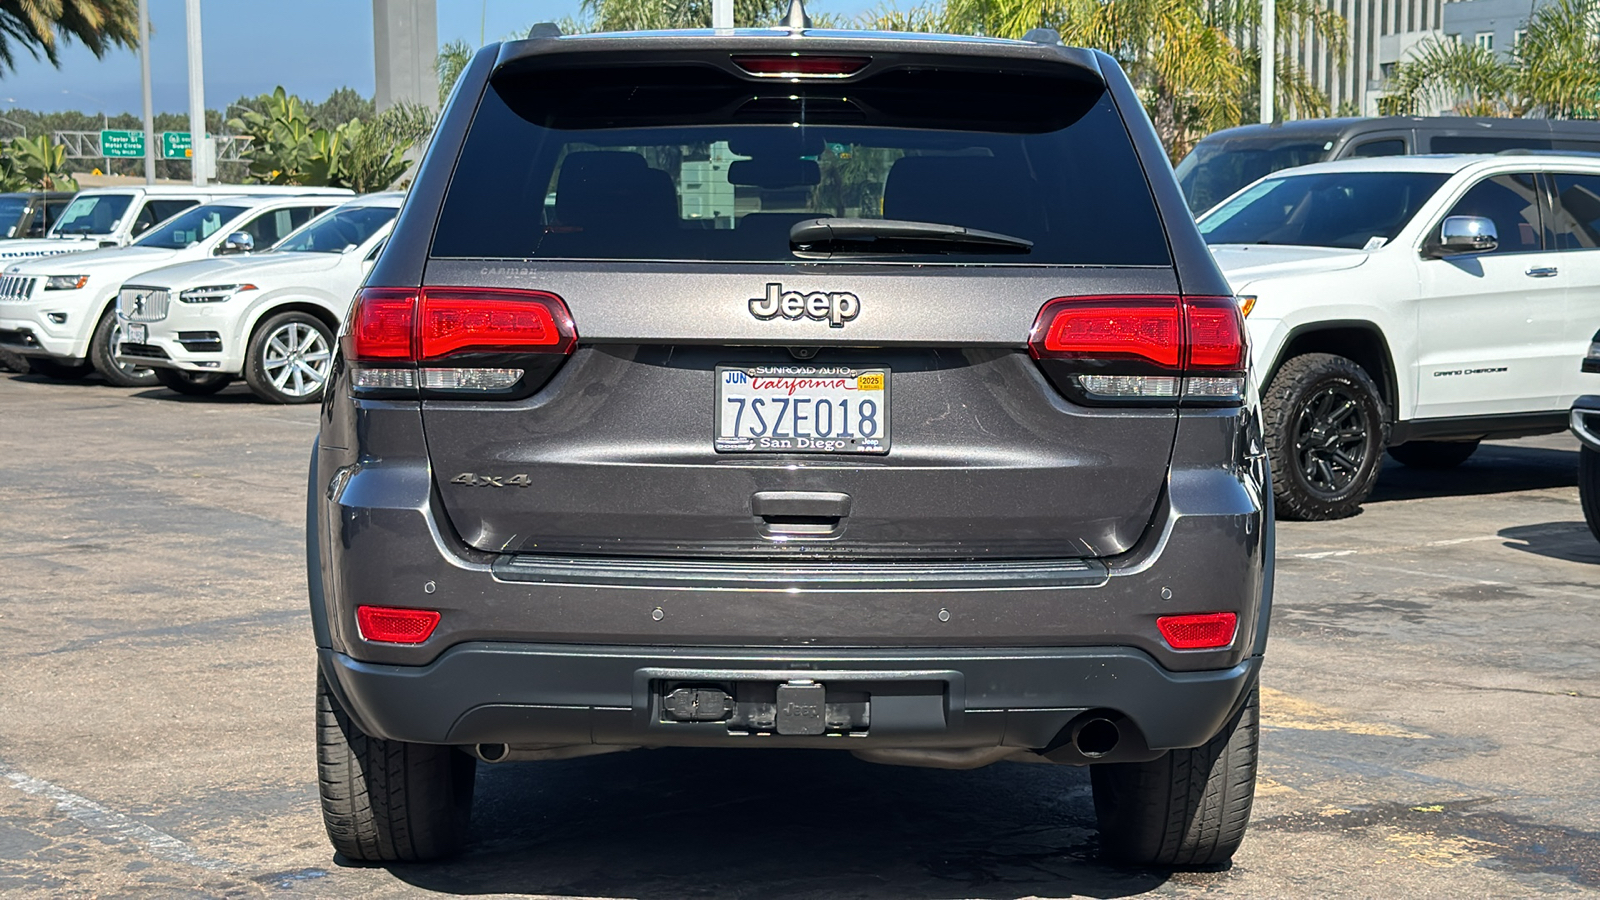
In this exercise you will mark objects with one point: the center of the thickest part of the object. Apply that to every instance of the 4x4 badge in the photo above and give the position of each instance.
(835, 308)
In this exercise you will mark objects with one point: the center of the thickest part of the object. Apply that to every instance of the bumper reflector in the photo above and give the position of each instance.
(1203, 631)
(396, 626)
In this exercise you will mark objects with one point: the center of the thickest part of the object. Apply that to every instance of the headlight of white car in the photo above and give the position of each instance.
(65, 282)
(214, 293)
(1247, 302)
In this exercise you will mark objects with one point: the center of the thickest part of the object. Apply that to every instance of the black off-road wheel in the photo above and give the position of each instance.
(1188, 808)
(13, 362)
(389, 801)
(1589, 488)
(102, 354)
(193, 384)
(1326, 427)
(1433, 454)
(54, 368)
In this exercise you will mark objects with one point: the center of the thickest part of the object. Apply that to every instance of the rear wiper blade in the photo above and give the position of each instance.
(900, 236)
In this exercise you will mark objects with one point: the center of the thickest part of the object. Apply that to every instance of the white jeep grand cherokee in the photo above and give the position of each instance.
(1421, 304)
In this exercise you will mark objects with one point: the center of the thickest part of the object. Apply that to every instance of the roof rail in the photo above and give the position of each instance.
(1530, 151)
(544, 30)
(1042, 36)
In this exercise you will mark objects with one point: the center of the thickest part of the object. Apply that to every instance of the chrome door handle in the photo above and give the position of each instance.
(1542, 272)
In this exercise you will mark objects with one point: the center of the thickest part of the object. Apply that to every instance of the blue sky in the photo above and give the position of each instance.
(310, 47)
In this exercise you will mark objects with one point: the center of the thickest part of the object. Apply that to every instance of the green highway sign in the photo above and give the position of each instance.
(176, 145)
(122, 144)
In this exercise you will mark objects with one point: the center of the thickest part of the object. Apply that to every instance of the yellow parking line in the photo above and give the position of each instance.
(1281, 710)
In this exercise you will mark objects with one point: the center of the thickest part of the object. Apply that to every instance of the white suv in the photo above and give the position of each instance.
(270, 317)
(114, 217)
(1416, 303)
(58, 312)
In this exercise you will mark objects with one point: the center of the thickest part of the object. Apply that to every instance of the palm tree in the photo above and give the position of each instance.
(41, 26)
(449, 64)
(1551, 72)
(1184, 56)
(653, 15)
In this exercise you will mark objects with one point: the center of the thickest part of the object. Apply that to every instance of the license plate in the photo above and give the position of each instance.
(135, 334)
(802, 409)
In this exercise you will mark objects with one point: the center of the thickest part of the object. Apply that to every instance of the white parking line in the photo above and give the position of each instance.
(1448, 542)
(93, 814)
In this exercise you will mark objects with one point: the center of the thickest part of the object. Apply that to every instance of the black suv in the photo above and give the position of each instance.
(792, 388)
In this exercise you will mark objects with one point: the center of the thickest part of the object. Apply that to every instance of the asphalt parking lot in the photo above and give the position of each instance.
(1429, 706)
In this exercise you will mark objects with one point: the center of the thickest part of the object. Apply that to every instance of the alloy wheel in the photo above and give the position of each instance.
(296, 359)
(1331, 437)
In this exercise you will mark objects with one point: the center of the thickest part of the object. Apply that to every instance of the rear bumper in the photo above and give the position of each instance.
(532, 694)
(565, 654)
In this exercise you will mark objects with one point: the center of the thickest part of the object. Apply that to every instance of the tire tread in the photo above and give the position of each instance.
(388, 801)
(1188, 808)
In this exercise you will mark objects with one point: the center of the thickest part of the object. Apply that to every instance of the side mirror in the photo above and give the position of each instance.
(239, 242)
(1466, 234)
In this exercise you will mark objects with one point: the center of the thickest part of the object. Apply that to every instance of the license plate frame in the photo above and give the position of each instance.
(831, 384)
(135, 333)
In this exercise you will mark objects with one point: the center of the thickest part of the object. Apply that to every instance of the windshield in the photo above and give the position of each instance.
(1214, 169)
(339, 231)
(672, 163)
(11, 210)
(1354, 210)
(95, 214)
(190, 227)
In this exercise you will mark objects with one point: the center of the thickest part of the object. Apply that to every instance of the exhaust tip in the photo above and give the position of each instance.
(1096, 737)
(492, 753)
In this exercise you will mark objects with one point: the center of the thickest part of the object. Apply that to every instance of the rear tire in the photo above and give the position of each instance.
(53, 368)
(1589, 488)
(1325, 428)
(1188, 808)
(1433, 454)
(193, 384)
(102, 353)
(389, 801)
(289, 359)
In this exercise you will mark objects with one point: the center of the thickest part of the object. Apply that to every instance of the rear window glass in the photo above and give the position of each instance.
(694, 164)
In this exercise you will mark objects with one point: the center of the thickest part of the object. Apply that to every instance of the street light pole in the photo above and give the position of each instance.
(199, 146)
(721, 13)
(1268, 42)
(149, 107)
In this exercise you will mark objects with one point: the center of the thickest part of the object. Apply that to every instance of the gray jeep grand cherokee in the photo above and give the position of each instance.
(792, 388)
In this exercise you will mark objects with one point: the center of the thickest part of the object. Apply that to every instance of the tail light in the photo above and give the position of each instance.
(1155, 349)
(456, 341)
(396, 626)
(1204, 631)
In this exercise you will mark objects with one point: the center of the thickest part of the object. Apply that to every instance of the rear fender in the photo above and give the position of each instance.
(314, 537)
